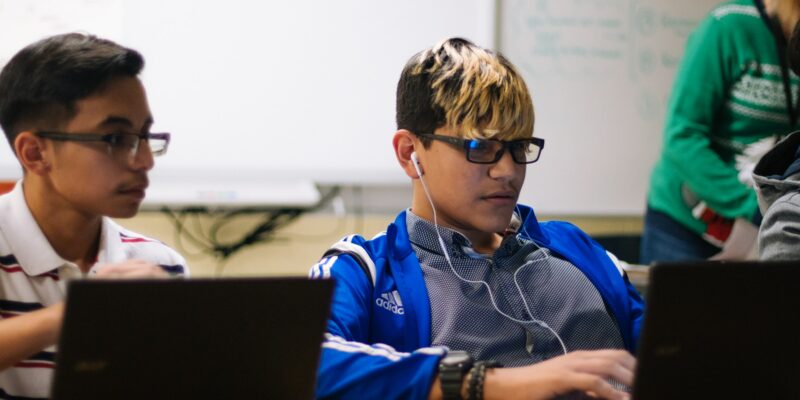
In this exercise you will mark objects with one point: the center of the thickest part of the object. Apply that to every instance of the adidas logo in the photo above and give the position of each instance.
(391, 302)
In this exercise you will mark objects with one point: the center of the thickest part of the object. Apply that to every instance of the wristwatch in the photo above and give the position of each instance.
(452, 369)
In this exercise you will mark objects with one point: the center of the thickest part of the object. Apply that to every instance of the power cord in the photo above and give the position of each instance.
(208, 240)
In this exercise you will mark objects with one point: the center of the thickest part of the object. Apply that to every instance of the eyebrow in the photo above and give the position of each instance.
(112, 120)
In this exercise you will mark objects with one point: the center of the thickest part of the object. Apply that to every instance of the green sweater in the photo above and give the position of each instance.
(728, 93)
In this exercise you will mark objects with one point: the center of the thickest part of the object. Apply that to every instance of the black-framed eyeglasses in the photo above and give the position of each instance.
(489, 151)
(121, 145)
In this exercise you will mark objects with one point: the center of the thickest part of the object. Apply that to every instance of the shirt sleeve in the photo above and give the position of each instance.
(351, 364)
(779, 237)
(698, 93)
(174, 263)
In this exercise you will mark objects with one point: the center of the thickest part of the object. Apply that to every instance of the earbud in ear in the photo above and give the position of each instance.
(416, 164)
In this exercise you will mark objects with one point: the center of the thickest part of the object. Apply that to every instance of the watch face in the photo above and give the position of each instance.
(457, 357)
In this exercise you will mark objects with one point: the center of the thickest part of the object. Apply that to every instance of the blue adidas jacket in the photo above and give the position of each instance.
(378, 337)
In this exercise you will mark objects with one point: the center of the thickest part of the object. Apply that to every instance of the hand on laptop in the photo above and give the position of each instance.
(131, 269)
(582, 371)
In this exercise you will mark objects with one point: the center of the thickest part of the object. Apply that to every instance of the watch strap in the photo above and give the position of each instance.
(452, 372)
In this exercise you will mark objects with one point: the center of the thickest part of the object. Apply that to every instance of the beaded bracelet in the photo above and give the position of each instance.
(477, 377)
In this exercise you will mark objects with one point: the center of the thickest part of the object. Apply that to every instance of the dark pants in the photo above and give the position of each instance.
(664, 239)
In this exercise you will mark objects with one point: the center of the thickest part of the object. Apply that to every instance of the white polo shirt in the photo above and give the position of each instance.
(33, 275)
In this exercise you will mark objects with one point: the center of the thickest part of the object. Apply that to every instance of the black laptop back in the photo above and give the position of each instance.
(199, 338)
(721, 330)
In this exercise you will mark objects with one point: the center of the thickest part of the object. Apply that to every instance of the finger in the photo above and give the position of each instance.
(594, 395)
(616, 354)
(127, 266)
(599, 387)
(627, 359)
(608, 368)
(619, 356)
(102, 273)
(145, 272)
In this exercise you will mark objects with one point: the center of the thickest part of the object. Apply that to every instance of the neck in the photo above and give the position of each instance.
(482, 242)
(74, 235)
(786, 12)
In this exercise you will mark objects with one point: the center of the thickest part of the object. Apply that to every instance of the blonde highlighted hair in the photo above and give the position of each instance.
(461, 86)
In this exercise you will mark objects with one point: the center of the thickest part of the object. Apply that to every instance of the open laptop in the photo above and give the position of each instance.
(197, 338)
(721, 330)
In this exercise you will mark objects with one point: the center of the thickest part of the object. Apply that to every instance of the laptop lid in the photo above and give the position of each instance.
(197, 338)
(720, 330)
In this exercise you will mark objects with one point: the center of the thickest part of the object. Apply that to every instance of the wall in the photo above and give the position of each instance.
(600, 73)
(255, 91)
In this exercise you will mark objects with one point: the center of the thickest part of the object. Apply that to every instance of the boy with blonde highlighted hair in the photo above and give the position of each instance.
(467, 280)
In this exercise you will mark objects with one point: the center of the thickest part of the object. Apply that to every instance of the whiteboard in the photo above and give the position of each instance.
(600, 73)
(258, 92)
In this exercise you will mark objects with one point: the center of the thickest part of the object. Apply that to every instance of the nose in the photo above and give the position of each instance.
(504, 168)
(142, 159)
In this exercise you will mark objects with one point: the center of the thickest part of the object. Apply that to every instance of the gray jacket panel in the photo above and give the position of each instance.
(777, 183)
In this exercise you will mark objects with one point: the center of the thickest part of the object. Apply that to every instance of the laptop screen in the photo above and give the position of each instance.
(720, 330)
(198, 338)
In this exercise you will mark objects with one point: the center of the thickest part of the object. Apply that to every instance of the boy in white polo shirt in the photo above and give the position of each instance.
(77, 118)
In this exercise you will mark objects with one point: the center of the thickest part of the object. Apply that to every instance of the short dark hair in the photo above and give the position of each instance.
(465, 87)
(41, 83)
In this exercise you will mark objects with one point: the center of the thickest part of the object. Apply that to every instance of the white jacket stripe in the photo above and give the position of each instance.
(617, 262)
(396, 296)
(322, 269)
(326, 268)
(379, 349)
(352, 247)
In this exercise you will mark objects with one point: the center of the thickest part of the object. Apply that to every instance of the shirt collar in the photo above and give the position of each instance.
(111, 248)
(421, 231)
(30, 246)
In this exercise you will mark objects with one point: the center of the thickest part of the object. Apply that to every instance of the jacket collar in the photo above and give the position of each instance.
(774, 173)
(397, 232)
(564, 239)
(530, 225)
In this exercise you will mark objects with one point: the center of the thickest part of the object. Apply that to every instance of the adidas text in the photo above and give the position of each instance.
(391, 302)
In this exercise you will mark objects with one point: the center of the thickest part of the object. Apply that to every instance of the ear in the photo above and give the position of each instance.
(404, 143)
(32, 153)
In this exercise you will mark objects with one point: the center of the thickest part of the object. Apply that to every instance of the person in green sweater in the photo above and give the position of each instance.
(733, 99)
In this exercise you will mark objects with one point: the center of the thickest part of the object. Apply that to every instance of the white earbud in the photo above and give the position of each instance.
(416, 163)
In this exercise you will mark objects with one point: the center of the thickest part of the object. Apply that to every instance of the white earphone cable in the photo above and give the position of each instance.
(488, 288)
